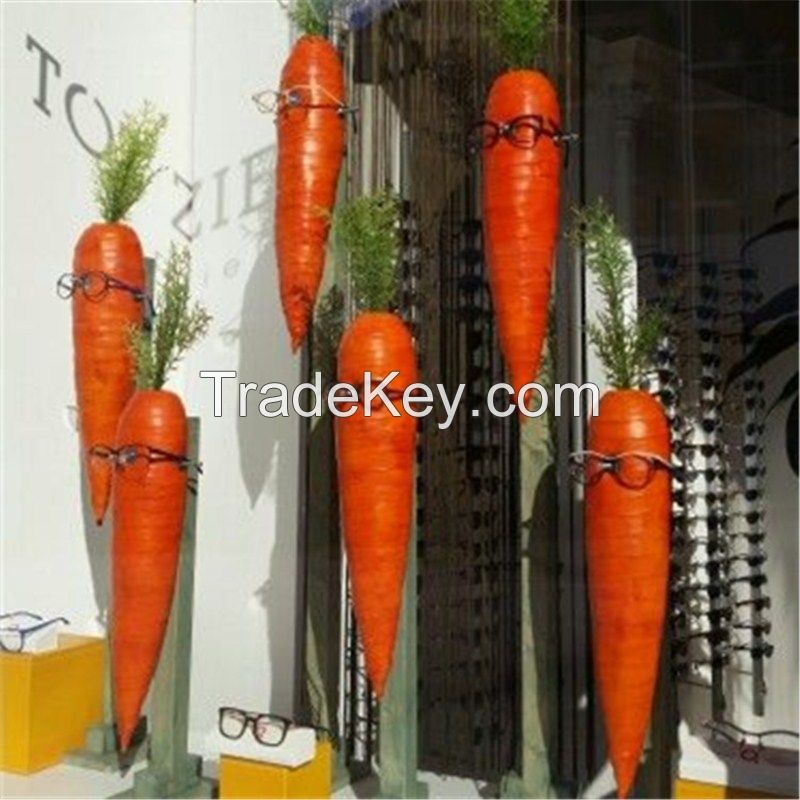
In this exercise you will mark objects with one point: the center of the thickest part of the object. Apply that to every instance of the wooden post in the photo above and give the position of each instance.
(172, 771)
(398, 709)
(539, 598)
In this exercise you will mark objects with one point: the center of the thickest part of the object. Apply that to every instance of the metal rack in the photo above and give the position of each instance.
(717, 584)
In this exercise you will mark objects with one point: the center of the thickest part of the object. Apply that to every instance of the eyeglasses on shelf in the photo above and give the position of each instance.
(13, 637)
(268, 729)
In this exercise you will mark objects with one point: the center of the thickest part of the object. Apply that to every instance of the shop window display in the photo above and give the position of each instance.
(407, 567)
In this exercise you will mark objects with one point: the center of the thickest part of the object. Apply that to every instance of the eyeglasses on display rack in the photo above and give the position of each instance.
(756, 603)
(17, 626)
(631, 470)
(756, 580)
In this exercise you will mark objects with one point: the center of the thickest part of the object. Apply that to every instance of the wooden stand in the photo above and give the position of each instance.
(398, 710)
(172, 771)
(539, 596)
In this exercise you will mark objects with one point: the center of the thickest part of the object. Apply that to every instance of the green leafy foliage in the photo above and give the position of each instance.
(368, 228)
(519, 28)
(124, 170)
(311, 16)
(329, 322)
(624, 339)
(177, 324)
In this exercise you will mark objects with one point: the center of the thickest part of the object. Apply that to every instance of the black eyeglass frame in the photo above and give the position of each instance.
(252, 718)
(536, 124)
(23, 633)
(68, 283)
(578, 462)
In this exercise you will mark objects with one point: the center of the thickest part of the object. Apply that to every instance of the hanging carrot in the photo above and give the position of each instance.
(521, 174)
(375, 454)
(628, 504)
(149, 496)
(107, 286)
(311, 138)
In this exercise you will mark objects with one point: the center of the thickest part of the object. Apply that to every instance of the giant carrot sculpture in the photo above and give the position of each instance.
(107, 290)
(311, 136)
(520, 139)
(375, 454)
(149, 496)
(628, 505)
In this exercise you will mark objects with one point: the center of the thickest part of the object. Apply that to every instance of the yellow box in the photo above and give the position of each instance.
(242, 778)
(48, 700)
(697, 790)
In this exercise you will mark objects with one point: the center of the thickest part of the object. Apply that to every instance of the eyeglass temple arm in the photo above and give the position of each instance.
(28, 614)
(46, 624)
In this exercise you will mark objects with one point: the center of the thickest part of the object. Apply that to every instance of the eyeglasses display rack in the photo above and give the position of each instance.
(717, 583)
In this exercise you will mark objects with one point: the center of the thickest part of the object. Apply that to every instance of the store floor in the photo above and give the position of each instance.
(68, 782)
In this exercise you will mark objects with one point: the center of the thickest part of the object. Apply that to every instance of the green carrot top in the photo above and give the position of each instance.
(519, 28)
(623, 338)
(368, 228)
(176, 328)
(124, 170)
(312, 17)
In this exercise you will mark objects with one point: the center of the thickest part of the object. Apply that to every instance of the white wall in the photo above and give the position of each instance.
(200, 63)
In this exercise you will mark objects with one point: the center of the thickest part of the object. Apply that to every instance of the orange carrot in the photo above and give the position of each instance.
(310, 151)
(107, 286)
(149, 495)
(148, 506)
(375, 457)
(103, 364)
(520, 207)
(627, 551)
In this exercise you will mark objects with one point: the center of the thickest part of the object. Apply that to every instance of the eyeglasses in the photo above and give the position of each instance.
(523, 132)
(760, 628)
(713, 590)
(690, 450)
(298, 98)
(756, 580)
(722, 559)
(755, 751)
(751, 517)
(135, 459)
(709, 473)
(96, 285)
(758, 603)
(13, 636)
(268, 729)
(631, 470)
(715, 616)
(751, 385)
(718, 544)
